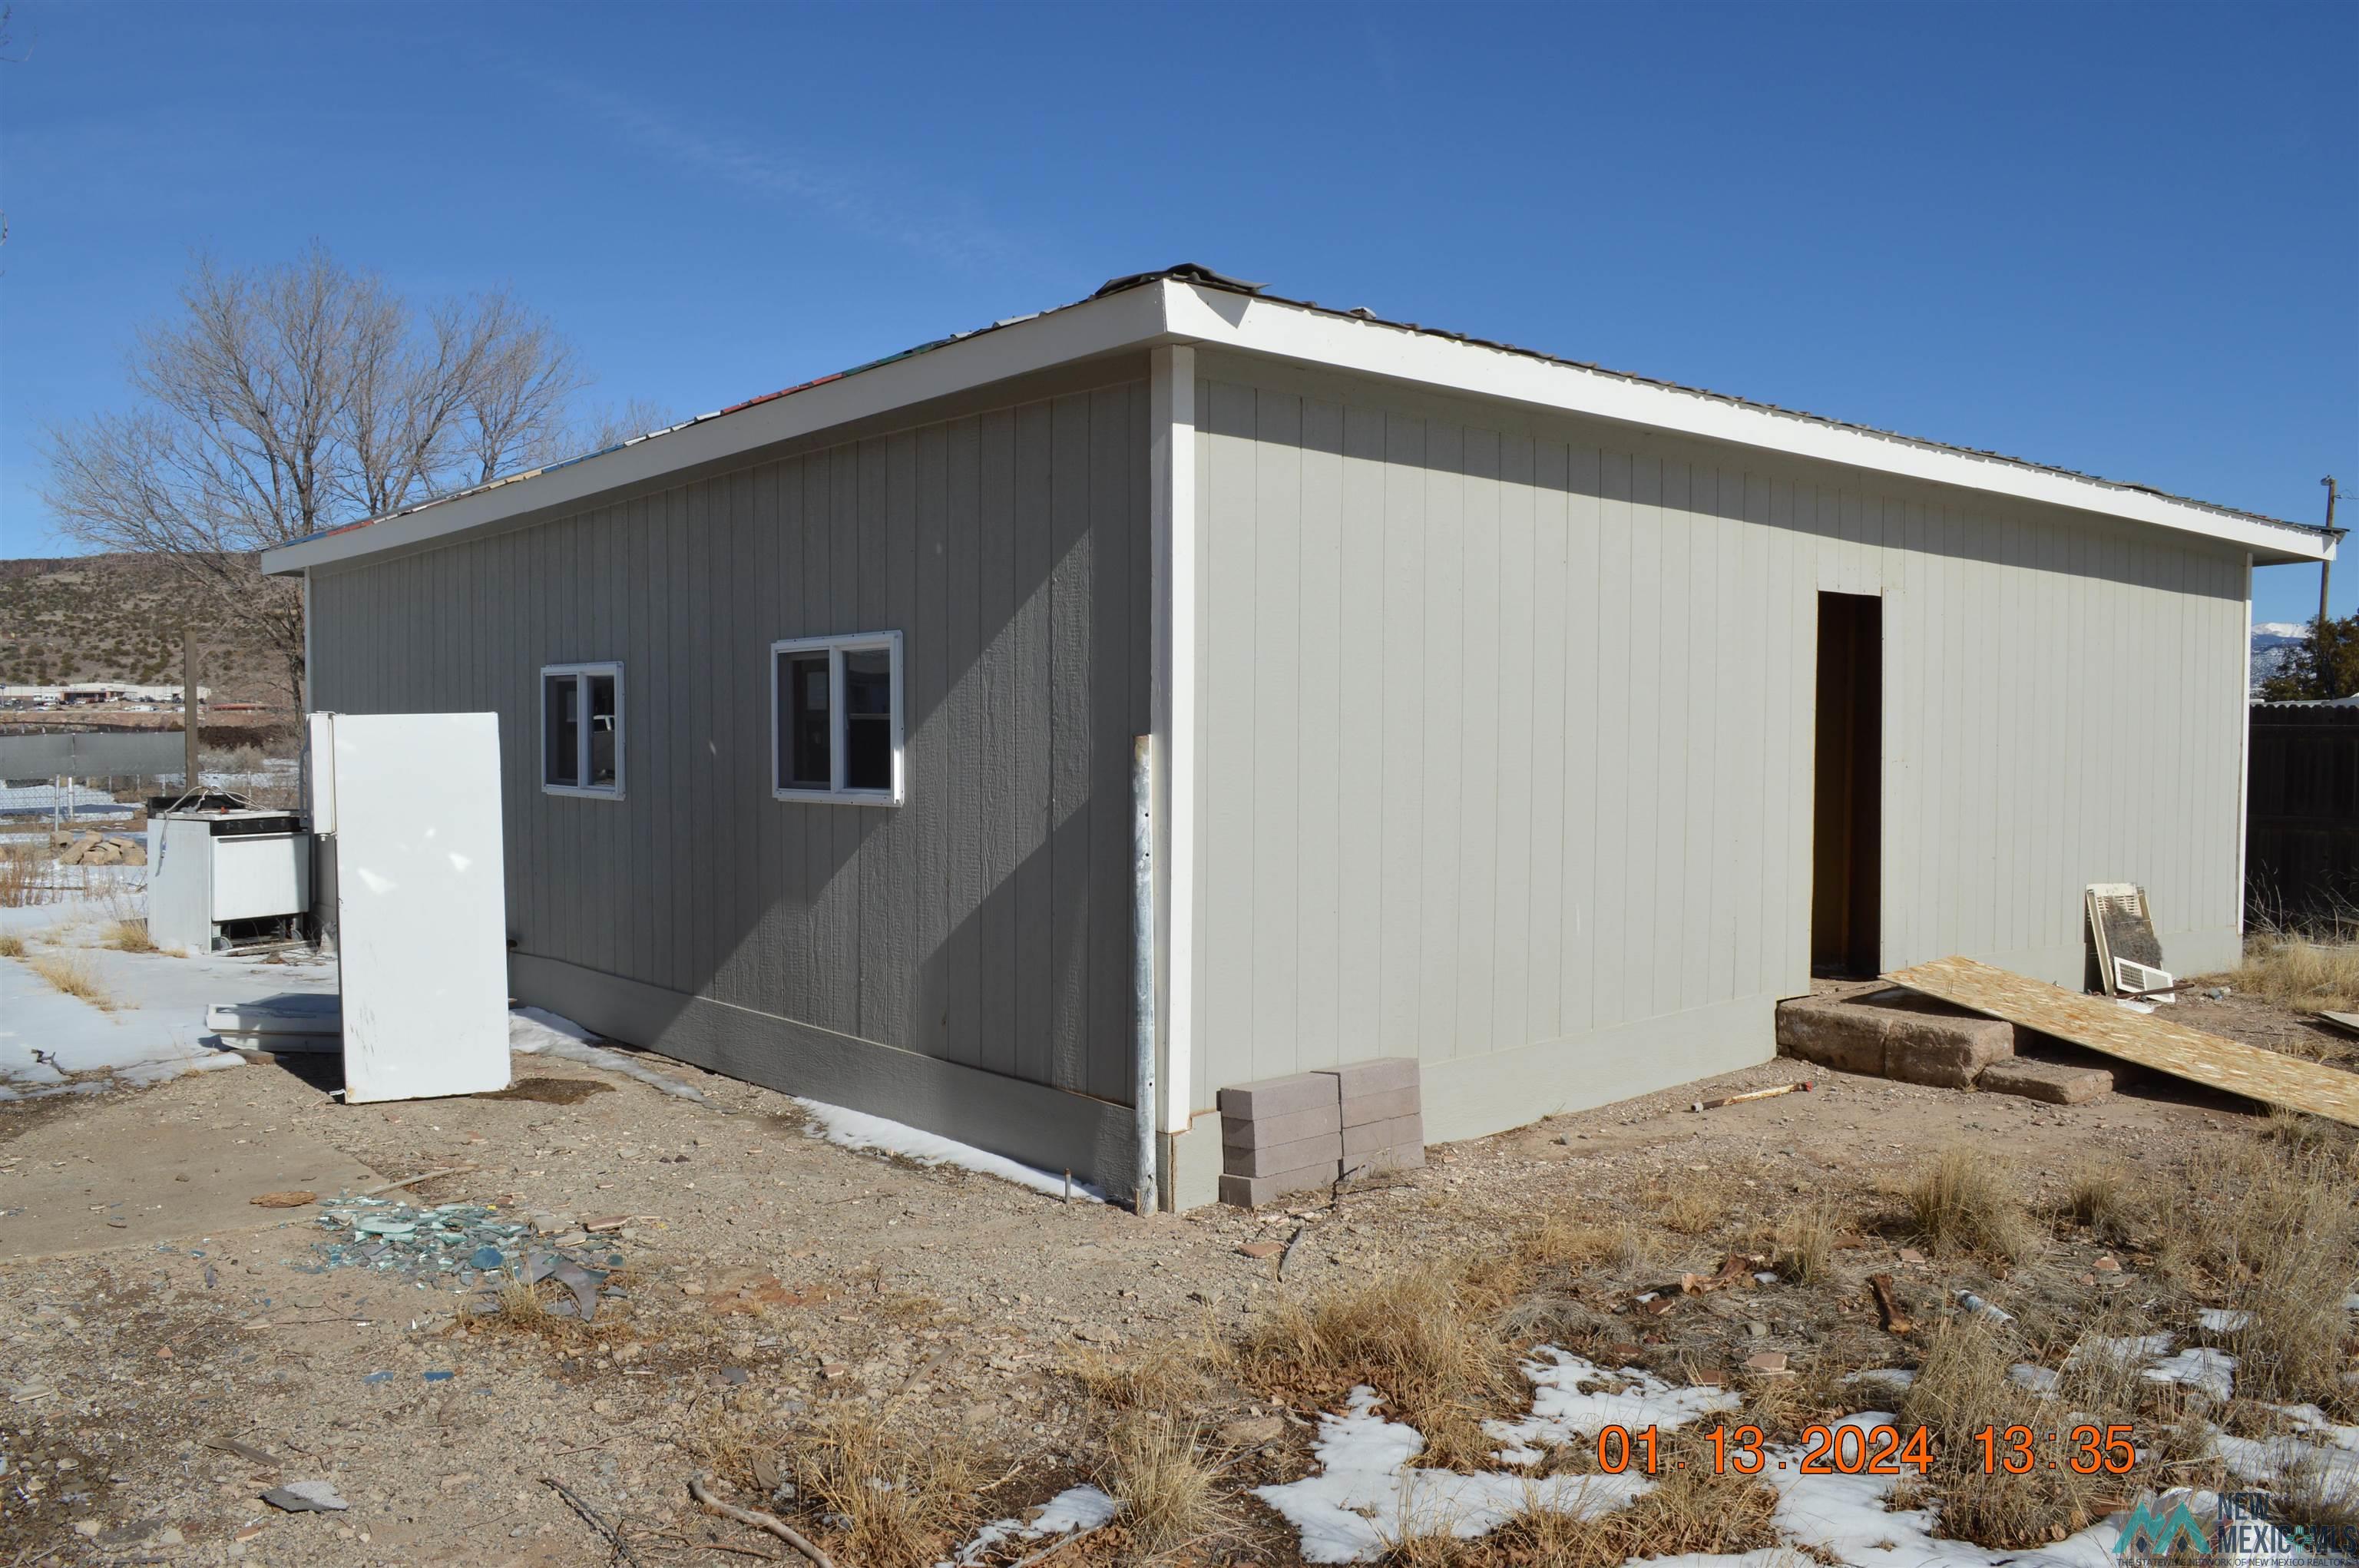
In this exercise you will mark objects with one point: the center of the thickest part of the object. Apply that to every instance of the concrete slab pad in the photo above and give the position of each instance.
(113, 1178)
(2057, 1082)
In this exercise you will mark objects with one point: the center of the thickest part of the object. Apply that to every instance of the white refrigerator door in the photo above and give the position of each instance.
(420, 910)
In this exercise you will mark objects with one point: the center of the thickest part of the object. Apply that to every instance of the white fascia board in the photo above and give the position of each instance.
(1226, 319)
(1129, 320)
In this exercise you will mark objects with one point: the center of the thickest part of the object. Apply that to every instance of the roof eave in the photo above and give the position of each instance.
(1394, 352)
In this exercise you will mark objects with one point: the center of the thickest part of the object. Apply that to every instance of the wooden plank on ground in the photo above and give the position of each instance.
(2347, 1022)
(2147, 1039)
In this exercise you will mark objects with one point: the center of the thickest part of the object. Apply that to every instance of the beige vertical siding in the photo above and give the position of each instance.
(1506, 737)
(986, 922)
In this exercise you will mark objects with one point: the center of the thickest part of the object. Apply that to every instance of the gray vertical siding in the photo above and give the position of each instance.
(985, 923)
(1505, 726)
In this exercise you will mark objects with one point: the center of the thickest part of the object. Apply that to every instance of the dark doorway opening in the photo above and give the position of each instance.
(1846, 827)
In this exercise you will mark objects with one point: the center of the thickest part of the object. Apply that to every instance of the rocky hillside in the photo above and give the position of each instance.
(118, 617)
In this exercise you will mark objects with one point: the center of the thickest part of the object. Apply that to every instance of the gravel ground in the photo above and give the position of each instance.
(768, 1273)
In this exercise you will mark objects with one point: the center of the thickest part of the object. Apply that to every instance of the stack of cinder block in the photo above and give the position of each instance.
(1384, 1122)
(1308, 1130)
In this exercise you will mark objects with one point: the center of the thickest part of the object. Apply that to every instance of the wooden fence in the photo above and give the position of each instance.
(2301, 830)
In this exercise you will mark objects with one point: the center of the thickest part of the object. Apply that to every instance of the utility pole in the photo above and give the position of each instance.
(188, 706)
(2321, 658)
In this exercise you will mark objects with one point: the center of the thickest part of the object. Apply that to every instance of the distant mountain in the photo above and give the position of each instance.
(2274, 647)
(118, 617)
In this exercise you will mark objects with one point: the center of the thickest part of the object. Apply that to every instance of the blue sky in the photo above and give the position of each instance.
(2121, 239)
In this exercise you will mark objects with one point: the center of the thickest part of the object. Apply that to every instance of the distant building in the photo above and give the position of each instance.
(1540, 722)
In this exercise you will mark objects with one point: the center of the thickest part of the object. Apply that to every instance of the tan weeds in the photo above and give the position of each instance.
(881, 1499)
(1170, 1493)
(2296, 973)
(11, 945)
(130, 936)
(1426, 1337)
(71, 974)
(1962, 1201)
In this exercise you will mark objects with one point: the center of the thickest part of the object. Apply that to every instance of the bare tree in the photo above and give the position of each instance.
(289, 399)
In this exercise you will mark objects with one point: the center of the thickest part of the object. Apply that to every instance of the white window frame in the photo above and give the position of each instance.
(836, 794)
(582, 737)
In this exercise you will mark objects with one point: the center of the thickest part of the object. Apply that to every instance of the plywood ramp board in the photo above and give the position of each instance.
(2147, 1039)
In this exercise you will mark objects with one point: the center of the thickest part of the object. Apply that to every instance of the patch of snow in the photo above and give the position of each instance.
(858, 1129)
(1849, 1518)
(2039, 1380)
(1366, 1496)
(1562, 1412)
(2207, 1371)
(2267, 1460)
(2126, 1352)
(2351, 1303)
(1898, 1376)
(535, 1031)
(1074, 1509)
(2220, 1320)
(154, 1027)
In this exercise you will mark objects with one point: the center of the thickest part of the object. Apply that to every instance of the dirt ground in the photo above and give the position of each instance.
(771, 1276)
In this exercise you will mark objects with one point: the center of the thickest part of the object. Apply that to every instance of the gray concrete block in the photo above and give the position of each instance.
(1273, 1159)
(1292, 1126)
(1841, 1035)
(1369, 1136)
(2057, 1082)
(1916, 1044)
(1253, 1192)
(1376, 1162)
(1948, 1052)
(1269, 1097)
(1358, 1078)
(1381, 1106)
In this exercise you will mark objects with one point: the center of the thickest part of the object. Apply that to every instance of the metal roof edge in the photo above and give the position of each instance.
(2299, 541)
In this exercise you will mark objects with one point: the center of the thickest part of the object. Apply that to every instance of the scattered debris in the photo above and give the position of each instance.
(246, 1451)
(1770, 1094)
(471, 1242)
(2097, 1024)
(1887, 1305)
(1983, 1308)
(612, 1532)
(699, 1487)
(306, 1497)
(1258, 1250)
(1768, 1363)
(292, 1200)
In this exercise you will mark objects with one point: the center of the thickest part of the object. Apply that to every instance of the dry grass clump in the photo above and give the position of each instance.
(1161, 1375)
(884, 1501)
(1171, 1500)
(25, 876)
(1689, 1510)
(71, 973)
(1690, 1208)
(2097, 1194)
(1425, 1337)
(1564, 1241)
(130, 936)
(1963, 1387)
(2295, 972)
(11, 945)
(1806, 1242)
(2285, 1236)
(1961, 1200)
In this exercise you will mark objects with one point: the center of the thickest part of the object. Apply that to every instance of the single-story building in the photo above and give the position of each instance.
(1546, 723)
